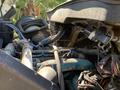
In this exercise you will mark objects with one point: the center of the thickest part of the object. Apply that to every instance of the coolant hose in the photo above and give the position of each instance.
(59, 70)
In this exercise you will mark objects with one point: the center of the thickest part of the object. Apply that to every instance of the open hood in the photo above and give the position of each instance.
(102, 10)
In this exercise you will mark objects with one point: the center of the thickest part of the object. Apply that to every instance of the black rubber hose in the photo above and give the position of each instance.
(30, 21)
(23, 19)
(13, 27)
(16, 30)
(88, 51)
(78, 50)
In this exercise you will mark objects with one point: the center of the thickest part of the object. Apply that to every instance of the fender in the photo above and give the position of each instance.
(16, 76)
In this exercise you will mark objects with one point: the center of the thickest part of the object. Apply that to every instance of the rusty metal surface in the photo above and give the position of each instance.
(15, 76)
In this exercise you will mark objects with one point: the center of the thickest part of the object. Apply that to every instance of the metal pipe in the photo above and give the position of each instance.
(27, 55)
(59, 70)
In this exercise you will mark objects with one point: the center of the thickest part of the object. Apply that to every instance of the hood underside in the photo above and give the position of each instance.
(102, 10)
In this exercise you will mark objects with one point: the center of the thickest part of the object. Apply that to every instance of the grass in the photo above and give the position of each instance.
(44, 5)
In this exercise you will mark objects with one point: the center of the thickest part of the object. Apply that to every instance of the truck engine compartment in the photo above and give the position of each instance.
(77, 54)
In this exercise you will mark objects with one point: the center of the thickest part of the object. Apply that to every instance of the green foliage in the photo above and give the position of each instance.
(44, 5)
